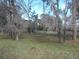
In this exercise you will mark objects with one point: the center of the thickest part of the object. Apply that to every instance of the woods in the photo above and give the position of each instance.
(11, 22)
(39, 29)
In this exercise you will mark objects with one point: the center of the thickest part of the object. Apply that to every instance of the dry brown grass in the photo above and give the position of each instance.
(72, 42)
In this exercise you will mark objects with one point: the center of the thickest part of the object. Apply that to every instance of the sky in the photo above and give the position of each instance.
(37, 6)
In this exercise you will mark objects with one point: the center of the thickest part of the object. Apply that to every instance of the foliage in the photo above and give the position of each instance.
(3, 21)
(40, 27)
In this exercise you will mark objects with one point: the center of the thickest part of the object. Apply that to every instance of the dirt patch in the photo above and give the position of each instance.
(72, 42)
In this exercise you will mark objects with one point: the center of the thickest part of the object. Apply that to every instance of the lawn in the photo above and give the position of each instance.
(37, 46)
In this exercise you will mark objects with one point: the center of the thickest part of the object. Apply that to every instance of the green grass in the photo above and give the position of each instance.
(37, 46)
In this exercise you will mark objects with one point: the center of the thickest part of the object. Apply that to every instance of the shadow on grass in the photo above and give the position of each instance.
(44, 38)
(4, 36)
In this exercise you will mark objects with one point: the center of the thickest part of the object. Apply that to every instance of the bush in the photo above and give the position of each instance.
(40, 27)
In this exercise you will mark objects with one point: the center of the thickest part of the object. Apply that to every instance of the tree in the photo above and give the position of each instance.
(43, 5)
(3, 20)
(74, 18)
(12, 27)
(65, 11)
(55, 8)
(26, 8)
(35, 22)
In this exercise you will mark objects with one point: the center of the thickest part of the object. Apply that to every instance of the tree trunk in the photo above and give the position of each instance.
(74, 20)
(64, 34)
(59, 30)
(17, 37)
